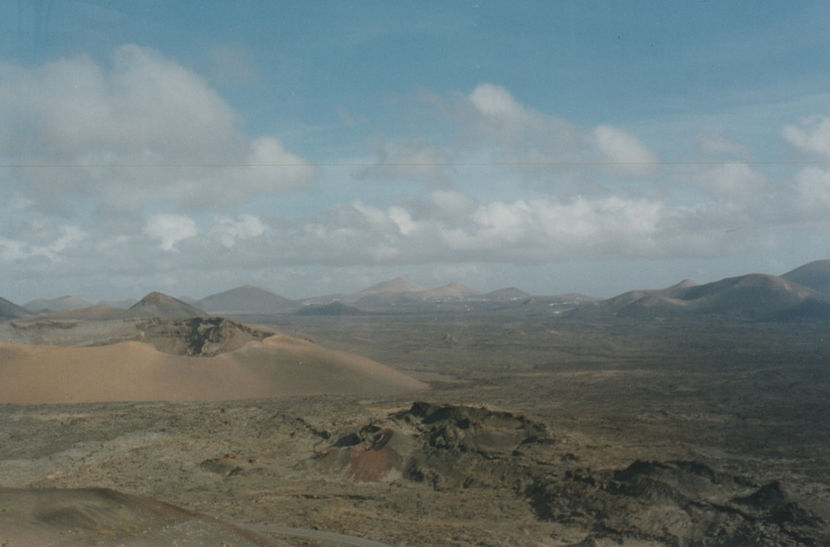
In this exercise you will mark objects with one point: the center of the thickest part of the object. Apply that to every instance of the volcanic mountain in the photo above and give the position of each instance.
(101, 312)
(507, 293)
(157, 304)
(752, 296)
(62, 303)
(247, 299)
(453, 291)
(275, 366)
(397, 285)
(386, 293)
(10, 310)
(815, 275)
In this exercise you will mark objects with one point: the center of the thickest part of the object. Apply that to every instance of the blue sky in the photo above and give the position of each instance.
(314, 147)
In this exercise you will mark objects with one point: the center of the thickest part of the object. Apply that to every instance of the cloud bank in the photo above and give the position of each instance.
(138, 167)
(110, 133)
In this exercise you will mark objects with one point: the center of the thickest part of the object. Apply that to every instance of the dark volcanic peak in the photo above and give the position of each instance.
(815, 275)
(157, 304)
(62, 303)
(10, 310)
(246, 299)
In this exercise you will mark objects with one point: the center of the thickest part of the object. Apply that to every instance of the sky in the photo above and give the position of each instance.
(315, 147)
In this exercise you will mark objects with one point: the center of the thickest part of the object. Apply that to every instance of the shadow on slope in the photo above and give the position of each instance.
(101, 516)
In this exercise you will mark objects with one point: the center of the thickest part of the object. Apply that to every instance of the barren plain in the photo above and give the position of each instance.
(537, 428)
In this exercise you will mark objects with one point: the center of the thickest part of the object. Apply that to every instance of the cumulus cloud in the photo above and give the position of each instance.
(629, 154)
(117, 128)
(496, 120)
(25, 233)
(170, 229)
(813, 190)
(549, 229)
(810, 135)
(229, 230)
(538, 147)
(736, 179)
(451, 203)
(17, 249)
(496, 102)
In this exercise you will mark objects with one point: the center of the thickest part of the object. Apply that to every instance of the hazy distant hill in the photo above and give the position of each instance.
(507, 293)
(815, 275)
(157, 304)
(752, 296)
(100, 312)
(62, 303)
(397, 285)
(247, 299)
(386, 293)
(401, 292)
(453, 291)
(10, 310)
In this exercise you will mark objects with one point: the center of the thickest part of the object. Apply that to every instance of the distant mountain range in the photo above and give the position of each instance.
(9, 310)
(751, 296)
(401, 292)
(801, 293)
(815, 275)
(63, 303)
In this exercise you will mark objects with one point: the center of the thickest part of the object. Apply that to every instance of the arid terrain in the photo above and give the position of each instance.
(520, 424)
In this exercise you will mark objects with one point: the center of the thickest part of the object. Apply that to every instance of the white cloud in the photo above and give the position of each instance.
(16, 249)
(229, 230)
(536, 147)
(496, 102)
(631, 155)
(119, 124)
(737, 179)
(811, 135)
(452, 203)
(402, 219)
(374, 216)
(170, 229)
(813, 190)
(548, 229)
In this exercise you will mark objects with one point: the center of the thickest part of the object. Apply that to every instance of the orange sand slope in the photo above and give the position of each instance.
(133, 371)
